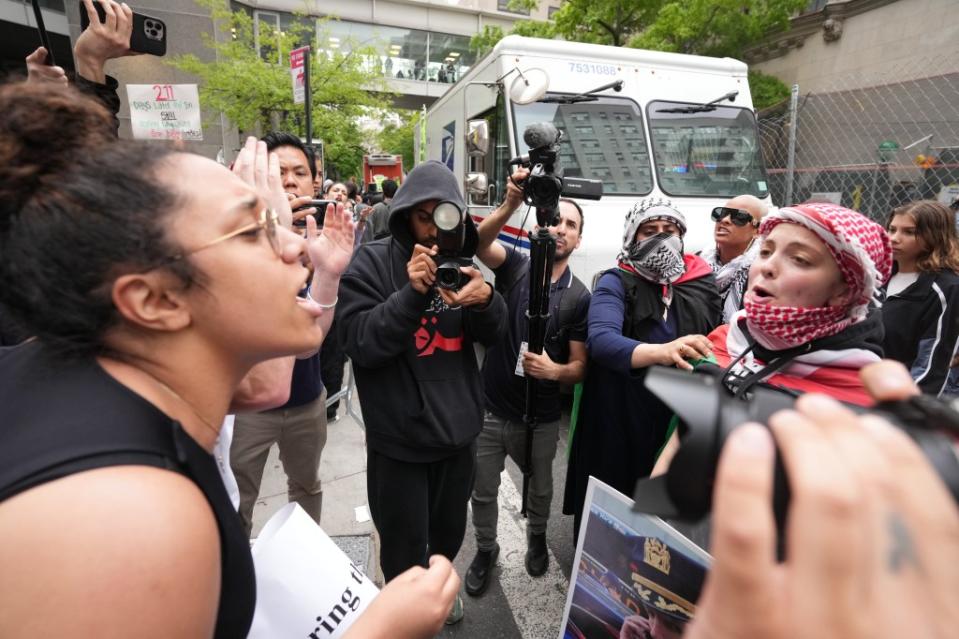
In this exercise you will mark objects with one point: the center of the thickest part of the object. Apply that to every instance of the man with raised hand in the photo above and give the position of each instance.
(563, 362)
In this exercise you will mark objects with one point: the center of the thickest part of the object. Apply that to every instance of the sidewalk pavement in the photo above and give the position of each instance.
(343, 473)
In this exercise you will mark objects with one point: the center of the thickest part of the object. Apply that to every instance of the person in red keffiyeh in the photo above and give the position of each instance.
(806, 324)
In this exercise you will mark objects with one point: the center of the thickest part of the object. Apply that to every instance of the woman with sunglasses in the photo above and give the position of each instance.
(152, 281)
(736, 225)
(921, 311)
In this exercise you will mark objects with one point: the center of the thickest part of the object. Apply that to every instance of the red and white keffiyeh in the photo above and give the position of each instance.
(864, 256)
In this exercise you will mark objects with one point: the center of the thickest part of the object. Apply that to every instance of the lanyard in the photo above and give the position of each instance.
(738, 386)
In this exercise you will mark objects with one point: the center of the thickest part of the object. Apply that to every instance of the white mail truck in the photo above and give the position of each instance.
(646, 124)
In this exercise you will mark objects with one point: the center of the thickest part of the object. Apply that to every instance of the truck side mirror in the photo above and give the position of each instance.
(477, 138)
(477, 183)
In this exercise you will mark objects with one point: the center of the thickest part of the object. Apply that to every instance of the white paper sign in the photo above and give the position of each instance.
(165, 111)
(305, 585)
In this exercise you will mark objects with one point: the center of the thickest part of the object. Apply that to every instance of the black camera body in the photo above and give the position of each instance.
(546, 184)
(709, 411)
(450, 222)
(448, 273)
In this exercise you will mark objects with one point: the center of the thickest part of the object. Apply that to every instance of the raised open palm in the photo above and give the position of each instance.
(330, 250)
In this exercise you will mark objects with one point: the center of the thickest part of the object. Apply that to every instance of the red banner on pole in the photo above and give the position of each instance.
(298, 73)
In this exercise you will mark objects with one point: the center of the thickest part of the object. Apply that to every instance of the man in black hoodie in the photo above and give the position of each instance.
(420, 391)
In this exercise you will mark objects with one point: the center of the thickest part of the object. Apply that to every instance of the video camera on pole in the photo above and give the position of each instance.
(546, 184)
(710, 407)
(542, 190)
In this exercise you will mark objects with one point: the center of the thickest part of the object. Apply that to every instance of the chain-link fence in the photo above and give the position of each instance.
(893, 140)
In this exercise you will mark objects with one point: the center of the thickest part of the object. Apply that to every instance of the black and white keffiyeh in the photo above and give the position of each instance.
(658, 258)
(731, 277)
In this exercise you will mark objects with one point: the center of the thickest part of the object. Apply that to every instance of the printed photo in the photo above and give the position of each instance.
(635, 576)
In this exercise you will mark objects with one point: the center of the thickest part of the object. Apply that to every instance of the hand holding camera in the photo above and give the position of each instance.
(514, 188)
(475, 291)
(872, 531)
(421, 268)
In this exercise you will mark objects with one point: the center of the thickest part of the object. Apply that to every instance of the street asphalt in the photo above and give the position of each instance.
(515, 605)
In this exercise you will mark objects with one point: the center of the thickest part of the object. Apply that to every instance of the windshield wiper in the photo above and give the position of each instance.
(587, 96)
(701, 108)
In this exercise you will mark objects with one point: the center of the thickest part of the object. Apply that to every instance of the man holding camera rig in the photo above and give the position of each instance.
(563, 361)
(410, 340)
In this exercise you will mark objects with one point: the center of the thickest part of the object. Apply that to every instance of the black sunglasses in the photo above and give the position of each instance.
(736, 216)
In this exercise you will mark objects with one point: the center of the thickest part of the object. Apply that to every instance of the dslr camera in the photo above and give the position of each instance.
(450, 221)
(546, 184)
(709, 409)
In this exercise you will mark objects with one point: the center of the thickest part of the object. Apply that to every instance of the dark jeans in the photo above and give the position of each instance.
(419, 509)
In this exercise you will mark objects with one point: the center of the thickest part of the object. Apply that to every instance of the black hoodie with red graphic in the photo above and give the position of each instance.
(416, 370)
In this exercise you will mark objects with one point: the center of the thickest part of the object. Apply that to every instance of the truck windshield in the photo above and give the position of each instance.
(707, 151)
(602, 140)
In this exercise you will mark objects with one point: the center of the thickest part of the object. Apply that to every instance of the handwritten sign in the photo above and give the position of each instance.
(298, 73)
(165, 111)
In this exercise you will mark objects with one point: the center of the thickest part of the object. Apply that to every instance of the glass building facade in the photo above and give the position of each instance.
(397, 52)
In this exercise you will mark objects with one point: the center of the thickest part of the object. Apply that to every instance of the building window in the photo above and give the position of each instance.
(266, 25)
(503, 5)
(449, 57)
(552, 10)
(404, 54)
(394, 52)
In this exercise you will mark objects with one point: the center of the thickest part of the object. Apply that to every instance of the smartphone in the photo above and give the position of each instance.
(320, 215)
(149, 34)
(44, 38)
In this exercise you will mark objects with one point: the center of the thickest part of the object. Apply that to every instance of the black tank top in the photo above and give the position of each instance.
(58, 418)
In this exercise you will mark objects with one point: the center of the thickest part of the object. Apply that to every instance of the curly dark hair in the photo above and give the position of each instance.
(78, 208)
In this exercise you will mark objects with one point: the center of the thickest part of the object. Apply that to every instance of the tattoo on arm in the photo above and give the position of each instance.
(902, 550)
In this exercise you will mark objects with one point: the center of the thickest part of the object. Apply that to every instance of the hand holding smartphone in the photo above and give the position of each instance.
(148, 34)
(44, 37)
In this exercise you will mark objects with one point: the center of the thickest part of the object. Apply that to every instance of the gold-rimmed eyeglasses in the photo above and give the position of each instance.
(267, 221)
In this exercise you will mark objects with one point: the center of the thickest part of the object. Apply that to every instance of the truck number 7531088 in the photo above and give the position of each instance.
(585, 67)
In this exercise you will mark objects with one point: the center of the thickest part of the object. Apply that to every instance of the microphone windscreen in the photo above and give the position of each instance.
(540, 134)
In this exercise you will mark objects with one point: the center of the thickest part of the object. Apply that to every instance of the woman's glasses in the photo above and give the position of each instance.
(736, 216)
(267, 221)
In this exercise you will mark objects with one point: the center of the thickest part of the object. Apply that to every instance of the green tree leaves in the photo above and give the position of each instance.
(253, 89)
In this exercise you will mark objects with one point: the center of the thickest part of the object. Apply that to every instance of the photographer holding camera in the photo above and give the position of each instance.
(563, 361)
(408, 316)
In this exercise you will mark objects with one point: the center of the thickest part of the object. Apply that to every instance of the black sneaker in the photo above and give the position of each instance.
(477, 577)
(537, 555)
